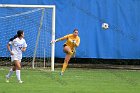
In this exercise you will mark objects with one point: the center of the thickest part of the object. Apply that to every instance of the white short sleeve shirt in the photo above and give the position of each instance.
(17, 45)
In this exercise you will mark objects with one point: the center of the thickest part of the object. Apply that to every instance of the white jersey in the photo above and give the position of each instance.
(17, 45)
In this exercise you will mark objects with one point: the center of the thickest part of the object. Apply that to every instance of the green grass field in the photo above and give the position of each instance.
(74, 81)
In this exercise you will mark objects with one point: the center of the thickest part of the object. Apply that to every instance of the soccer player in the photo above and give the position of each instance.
(19, 45)
(72, 41)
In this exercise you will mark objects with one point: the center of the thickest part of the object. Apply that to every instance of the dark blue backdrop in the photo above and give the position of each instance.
(120, 41)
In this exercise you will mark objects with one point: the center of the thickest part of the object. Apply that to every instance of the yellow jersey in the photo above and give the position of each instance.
(70, 41)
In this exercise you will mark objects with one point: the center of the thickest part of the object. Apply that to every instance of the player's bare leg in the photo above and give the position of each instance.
(18, 68)
(68, 52)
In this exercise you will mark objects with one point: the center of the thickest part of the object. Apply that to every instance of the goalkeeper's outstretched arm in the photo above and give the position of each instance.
(59, 39)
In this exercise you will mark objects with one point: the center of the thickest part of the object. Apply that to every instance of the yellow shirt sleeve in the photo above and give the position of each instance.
(64, 37)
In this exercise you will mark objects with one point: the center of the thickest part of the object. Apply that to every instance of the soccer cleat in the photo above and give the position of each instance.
(7, 79)
(61, 73)
(20, 81)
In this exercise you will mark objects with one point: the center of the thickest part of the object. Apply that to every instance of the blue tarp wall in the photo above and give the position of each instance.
(120, 41)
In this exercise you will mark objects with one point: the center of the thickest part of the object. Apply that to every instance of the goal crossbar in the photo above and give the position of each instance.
(27, 6)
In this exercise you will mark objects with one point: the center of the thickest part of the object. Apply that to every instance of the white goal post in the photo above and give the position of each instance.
(39, 29)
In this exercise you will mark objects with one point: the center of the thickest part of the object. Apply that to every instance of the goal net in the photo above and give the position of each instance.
(38, 24)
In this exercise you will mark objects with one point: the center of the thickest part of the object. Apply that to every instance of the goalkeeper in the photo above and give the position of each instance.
(73, 40)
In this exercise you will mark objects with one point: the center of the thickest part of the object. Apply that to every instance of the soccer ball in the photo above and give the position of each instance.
(105, 26)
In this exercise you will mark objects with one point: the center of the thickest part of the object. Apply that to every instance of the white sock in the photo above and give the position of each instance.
(18, 74)
(10, 73)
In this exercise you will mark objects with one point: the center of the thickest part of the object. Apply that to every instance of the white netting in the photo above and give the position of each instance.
(37, 26)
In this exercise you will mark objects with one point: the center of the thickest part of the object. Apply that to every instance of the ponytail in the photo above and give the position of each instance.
(11, 39)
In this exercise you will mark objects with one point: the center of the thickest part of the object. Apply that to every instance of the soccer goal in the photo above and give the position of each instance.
(38, 24)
